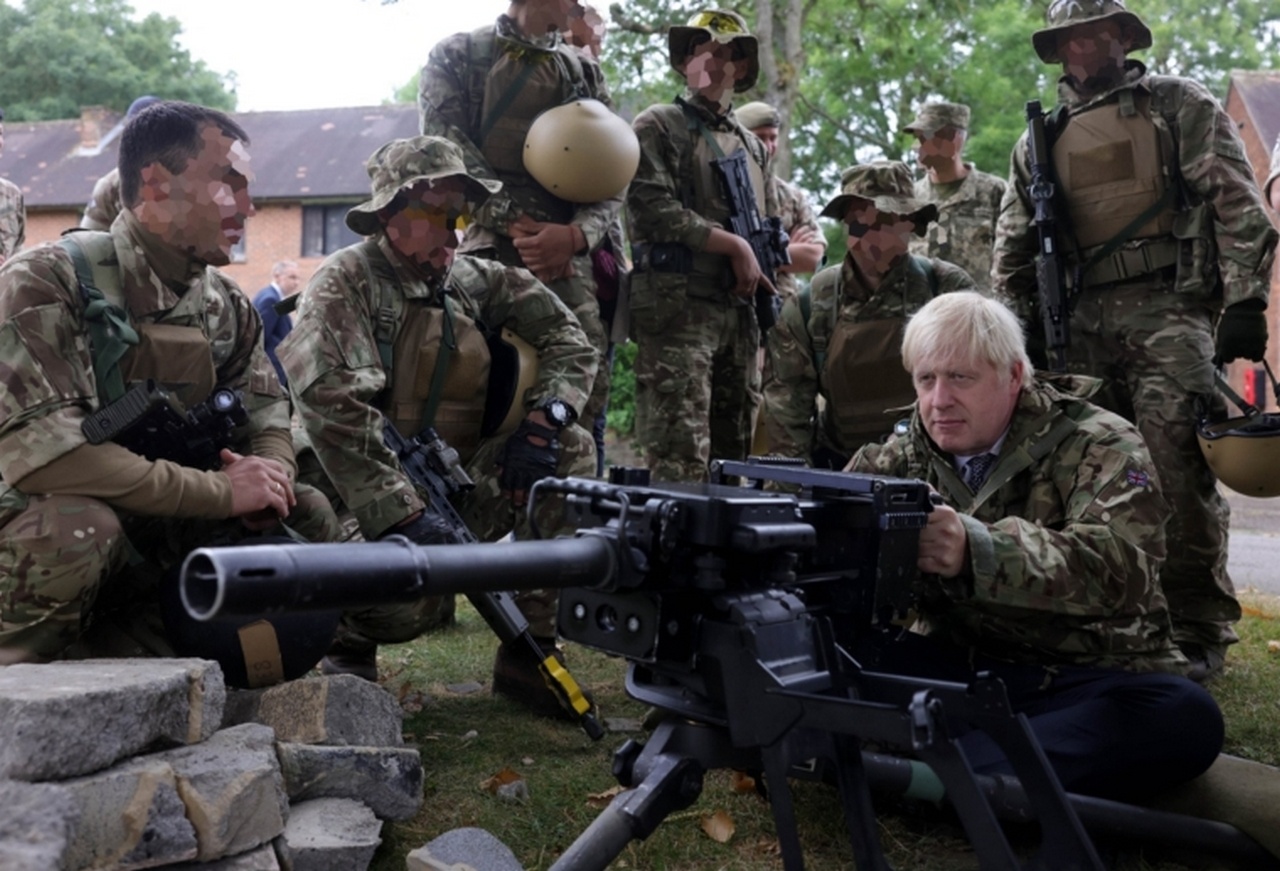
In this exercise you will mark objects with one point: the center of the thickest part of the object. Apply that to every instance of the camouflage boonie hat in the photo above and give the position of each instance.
(757, 114)
(402, 163)
(932, 117)
(887, 185)
(1063, 15)
(723, 27)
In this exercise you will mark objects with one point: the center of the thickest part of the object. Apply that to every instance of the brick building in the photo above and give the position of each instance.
(308, 167)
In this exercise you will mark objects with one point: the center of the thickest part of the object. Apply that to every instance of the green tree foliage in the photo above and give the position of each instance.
(59, 55)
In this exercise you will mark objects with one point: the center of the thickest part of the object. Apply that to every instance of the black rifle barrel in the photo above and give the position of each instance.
(245, 580)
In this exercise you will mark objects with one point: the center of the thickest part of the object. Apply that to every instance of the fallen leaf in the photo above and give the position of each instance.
(602, 799)
(501, 779)
(740, 782)
(1273, 647)
(719, 827)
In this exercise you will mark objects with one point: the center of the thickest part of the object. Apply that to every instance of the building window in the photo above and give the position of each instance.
(325, 230)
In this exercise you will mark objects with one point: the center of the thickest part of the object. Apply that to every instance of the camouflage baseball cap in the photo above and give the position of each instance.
(887, 185)
(756, 115)
(932, 117)
(722, 26)
(402, 163)
(1063, 15)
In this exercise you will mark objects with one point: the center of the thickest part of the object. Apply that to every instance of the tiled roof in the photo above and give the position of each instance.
(1259, 92)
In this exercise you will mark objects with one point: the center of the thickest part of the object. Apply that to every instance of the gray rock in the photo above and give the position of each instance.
(386, 779)
(469, 848)
(336, 709)
(66, 719)
(261, 859)
(332, 834)
(35, 825)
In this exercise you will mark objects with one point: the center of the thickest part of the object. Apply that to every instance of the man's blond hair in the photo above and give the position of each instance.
(967, 326)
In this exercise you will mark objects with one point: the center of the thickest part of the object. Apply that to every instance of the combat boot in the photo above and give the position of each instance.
(517, 677)
(349, 656)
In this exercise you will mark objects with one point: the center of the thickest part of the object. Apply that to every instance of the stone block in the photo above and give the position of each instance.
(332, 834)
(335, 709)
(262, 859)
(388, 780)
(464, 848)
(35, 825)
(66, 719)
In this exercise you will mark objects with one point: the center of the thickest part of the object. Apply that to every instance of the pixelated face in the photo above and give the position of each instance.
(965, 406)
(711, 70)
(769, 136)
(881, 238)
(586, 30)
(424, 230)
(1092, 50)
(939, 148)
(202, 209)
(544, 16)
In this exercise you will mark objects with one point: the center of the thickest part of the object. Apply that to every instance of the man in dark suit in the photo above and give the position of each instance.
(285, 282)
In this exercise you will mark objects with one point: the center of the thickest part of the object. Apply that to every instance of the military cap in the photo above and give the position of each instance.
(723, 27)
(757, 114)
(887, 185)
(932, 117)
(1063, 15)
(402, 163)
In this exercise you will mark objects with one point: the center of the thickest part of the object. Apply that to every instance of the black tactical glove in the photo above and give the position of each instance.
(1242, 332)
(524, 462)
(427, 528)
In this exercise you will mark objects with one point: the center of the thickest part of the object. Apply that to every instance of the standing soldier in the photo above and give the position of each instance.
(1165, 231)
(968, 200)
(697, 379)
(13, 212)
(397, 328)
(482, 90)
(839, 339)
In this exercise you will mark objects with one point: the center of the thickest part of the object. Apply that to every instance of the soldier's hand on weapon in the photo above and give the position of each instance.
(261, 492)
(1242, 332)
(546, 249)
(530, 454)
(746, 269)
(944, 543)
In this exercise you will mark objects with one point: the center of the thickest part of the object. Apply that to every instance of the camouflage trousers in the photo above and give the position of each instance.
(78, 578)
(697, 387)
(490, 515)
(1154, 349)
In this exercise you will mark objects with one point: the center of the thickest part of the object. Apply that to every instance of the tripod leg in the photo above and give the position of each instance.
(855, 799)
(776, 766)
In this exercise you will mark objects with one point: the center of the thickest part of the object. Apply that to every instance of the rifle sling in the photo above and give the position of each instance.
(110, 333)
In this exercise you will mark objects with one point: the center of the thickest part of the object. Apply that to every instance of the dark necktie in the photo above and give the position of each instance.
(975, 471)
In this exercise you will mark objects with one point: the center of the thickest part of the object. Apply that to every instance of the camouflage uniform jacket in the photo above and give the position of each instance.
(13, 219)
(837, 296)
(450, 97)
(661, 205)
(796, 212)
(965, 232)
(1212, 169)
(104, 203)
(1066, 537)
(339, 383)
(47, 363)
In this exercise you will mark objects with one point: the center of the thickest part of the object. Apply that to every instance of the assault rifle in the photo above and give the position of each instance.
(735, 607)
(766, 236)
(150, 421)
(1053, 294)
(437, 469)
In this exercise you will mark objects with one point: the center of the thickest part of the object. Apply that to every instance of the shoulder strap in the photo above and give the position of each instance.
(110, 332)
(821, 327)
(382, 280)
(479, 59)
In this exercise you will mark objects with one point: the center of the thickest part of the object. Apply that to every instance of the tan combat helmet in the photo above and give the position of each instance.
(887, 185)
(582, 152)
(1065, 14)
(1244, 452)
(724, 27)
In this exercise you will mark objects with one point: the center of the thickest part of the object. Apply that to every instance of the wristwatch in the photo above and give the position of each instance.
(559, 413)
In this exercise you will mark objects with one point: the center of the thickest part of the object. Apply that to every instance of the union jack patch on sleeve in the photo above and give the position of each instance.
(1138, 478)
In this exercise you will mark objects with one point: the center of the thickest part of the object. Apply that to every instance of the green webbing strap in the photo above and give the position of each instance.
(448, 344)
(706, 135)
(1127, 233)
(503, 103)
(110, 333)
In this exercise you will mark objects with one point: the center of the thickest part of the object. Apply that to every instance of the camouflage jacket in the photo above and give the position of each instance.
(450, 97)
(661, 201)
(1066, 538)
(965, 232)
(13, 219)
(47, 364)
(104, 203)
(1212, 169)
(796, 212)
(337, 377)
(837, 296)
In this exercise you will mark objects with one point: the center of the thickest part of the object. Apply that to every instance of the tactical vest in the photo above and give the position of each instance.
(179, 358)
(518, 83)
(411, 334)
(859, 364)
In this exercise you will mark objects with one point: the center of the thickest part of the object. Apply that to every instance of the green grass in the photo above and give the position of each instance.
(467, 738)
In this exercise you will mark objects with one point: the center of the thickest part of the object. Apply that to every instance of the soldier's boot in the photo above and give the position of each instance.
(351, 656)
(517, 677)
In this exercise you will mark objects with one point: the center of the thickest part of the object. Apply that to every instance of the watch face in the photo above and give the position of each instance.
(558, 411)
